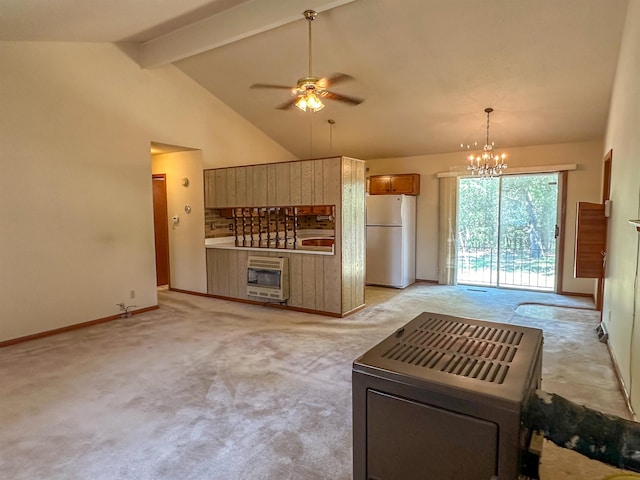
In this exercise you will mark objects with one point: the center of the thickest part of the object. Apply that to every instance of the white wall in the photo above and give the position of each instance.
(187, 256)
(621, 302)
(75, 129)
(584, 184)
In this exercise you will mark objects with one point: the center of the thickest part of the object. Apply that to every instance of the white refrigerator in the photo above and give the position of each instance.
(391, 240)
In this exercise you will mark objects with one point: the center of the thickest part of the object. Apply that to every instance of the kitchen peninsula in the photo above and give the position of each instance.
(310, 212)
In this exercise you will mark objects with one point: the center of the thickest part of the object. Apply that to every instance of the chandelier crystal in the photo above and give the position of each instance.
(487, 163)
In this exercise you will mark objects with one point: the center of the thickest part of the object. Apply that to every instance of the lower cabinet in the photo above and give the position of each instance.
(314, 280)
(331, 187)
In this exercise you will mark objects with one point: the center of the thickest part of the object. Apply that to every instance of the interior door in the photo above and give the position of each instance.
(591, 239)
(161, 228)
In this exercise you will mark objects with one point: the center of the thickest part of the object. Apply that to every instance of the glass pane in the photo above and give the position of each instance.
(527, 245)
(477, 231)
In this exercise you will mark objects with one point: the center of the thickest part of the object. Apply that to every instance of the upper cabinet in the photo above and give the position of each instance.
(407, 184)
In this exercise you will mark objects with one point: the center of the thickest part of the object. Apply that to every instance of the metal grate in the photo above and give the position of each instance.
(476, 351)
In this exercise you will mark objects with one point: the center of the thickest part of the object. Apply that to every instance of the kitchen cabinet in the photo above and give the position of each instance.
(407, 184)
(209, 189)
(330, 284)
(315, 210)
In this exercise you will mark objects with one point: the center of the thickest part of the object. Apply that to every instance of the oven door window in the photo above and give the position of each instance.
(263, 278)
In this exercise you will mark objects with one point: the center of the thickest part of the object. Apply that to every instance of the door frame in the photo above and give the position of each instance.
(606, 196)
(165, 215)
(561, 211)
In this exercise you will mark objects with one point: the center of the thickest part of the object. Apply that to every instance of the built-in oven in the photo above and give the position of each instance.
(268, 278)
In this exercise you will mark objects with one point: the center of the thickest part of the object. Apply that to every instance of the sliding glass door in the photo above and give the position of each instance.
(507, 230)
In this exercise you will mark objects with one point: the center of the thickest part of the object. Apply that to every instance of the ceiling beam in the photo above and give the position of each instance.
(242, 21)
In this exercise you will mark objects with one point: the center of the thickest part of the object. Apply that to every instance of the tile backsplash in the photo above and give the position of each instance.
(216, 226)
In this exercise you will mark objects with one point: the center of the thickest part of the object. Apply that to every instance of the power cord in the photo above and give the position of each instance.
(633, 316)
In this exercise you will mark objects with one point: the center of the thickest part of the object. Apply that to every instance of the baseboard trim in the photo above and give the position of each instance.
(189, 292)
(577, 294)
(68, 328)
(621, 385)
(279, 305)
(422, 280)
(352, 311)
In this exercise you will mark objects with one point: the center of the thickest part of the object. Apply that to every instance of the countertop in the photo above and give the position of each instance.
(229, 243)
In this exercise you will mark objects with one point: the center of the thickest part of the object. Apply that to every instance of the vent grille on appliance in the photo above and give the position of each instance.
(459, 348)
(265, 262)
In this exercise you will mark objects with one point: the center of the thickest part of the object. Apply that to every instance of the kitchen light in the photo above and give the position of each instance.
(487, 164)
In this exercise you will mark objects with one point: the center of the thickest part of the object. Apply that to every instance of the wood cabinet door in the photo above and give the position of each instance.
(591, 238)
(209, 189)
(407, 184)
(379, 185)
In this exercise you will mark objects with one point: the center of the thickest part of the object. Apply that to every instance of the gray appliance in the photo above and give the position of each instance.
(442, 398)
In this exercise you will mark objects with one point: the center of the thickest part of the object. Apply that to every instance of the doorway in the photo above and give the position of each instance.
(160, 228)
(507, 231)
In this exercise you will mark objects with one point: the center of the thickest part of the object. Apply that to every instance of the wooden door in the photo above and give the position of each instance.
(591, 239)
(161, 228)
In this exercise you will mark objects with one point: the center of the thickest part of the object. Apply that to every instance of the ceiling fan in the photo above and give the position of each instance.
(309, 91)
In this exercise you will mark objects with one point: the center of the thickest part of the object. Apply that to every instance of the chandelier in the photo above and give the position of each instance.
(487, 164)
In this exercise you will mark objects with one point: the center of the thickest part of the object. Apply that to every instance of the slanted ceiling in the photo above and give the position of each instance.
(426, 68)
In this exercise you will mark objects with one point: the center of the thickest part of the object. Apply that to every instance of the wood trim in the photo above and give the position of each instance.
(606, 195)
(621, 384)
(423, 280)
(283, 161)
(517, 170)
(75, 326)
(606, 176)
(277, 305)
(353, 310)
(578, 294)
(564, 178)
(188, 292)
(161, 220)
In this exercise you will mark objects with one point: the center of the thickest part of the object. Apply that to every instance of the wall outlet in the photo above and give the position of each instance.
(132, 294)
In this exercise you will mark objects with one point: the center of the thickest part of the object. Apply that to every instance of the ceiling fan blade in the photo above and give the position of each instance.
(335, 79)
(288, 104)
(268, 85)
(343, 98)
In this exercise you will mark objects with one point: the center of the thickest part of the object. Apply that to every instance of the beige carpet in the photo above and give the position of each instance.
(209, 389)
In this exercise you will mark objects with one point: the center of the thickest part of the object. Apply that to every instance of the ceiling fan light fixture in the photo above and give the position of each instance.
(307, 94)
(309, 101)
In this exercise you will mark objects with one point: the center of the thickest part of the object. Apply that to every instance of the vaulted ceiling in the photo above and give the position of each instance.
(426, 68)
